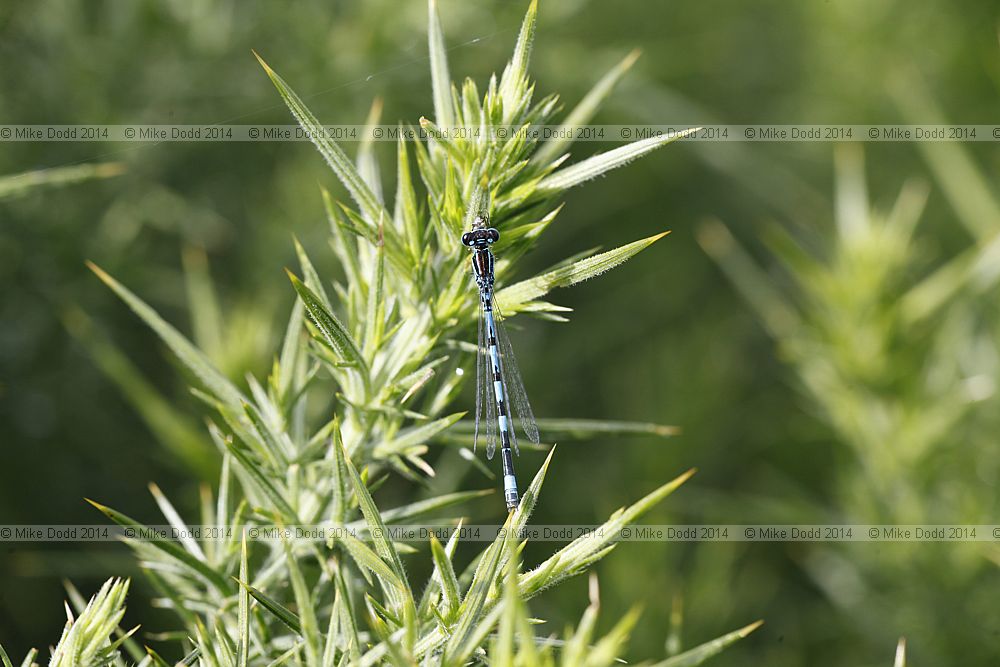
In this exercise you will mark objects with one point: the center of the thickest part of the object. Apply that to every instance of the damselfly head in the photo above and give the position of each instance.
(480, 237)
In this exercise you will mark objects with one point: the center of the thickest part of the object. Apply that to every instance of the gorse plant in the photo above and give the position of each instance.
(365, 380)
(891, 363)
(14, 185)
(901, 365)
(86, 637)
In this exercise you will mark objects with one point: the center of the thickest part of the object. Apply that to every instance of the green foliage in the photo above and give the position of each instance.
(360, 390)
(694, 359)
(700, 654)
(85, 641)
(852, 332)
(896, 357)
(900, 660)
(20, 184)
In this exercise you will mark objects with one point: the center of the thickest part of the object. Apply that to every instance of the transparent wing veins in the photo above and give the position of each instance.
(485, 402)
(517, 397)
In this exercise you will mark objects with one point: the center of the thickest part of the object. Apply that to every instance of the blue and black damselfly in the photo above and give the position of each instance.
(498, 381)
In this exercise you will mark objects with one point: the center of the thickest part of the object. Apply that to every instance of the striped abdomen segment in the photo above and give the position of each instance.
(500, 396)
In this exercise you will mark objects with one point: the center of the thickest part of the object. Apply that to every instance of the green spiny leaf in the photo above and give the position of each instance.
(203, 303)
(528, 499)
(263, 481)
(19, 184)
(271, 442)
(421, 507)
(280, 612)
(479, 203)
(700, 654)
(243, 621)
(440, 78)
(900, 659)
(375, 315)
(446, 576)
(442, 138)
(516, 297)
(286, 656)
(220, 387)
(174, 429)
(86, 639)
(304, 603)
(170, 593)
(514, 613)
(367, 161)
(340, 476)
(406, 212)
(342, 633)
(602, 163)
(395, 587)
(344, 246)
(582, 428)
(471, 609)
(156, 659)
(331, 328)
(169, 548)
(29, 660)
(288, 360)
(577, 646)
(417, 435)
(583, 551)
(430, 175)
(312, 279)
(607, 649)
(329, 149)
(170, 513)
(778, 314)
(380, 535)
(583, 112)
(4, 657)
(474, 638)
(514, 81)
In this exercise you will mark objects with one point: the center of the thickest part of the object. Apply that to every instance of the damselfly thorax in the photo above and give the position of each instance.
(480, 239)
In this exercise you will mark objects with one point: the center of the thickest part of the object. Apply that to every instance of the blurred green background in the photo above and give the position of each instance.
(808, 390)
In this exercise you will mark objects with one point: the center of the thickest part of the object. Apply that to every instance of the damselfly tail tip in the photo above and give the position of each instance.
(513, 503)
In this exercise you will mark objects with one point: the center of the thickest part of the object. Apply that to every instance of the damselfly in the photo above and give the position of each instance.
(498, 381)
